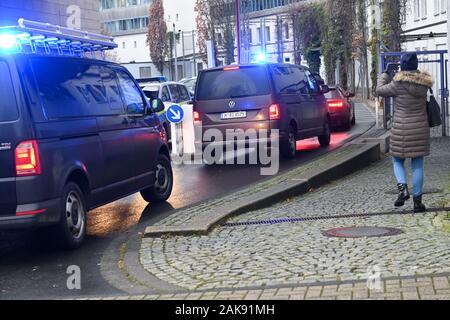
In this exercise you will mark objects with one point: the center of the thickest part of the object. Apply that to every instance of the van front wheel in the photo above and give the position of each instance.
(162, 186)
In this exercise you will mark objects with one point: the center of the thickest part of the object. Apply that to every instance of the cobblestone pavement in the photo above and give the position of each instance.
(286, 254)
(424, 288)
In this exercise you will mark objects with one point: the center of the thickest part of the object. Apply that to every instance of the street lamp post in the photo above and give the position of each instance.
(238, 31)
(175, 46)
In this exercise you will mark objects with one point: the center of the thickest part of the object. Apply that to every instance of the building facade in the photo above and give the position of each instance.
(79, 14)
(425, 28)
(127, 21)
(268, 25)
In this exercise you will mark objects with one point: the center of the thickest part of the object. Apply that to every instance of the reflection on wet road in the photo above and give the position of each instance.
(196, 183)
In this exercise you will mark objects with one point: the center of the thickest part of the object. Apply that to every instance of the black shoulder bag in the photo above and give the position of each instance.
(434, 111)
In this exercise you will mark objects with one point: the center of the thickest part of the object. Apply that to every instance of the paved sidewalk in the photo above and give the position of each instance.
(278, 248)
(420, 288)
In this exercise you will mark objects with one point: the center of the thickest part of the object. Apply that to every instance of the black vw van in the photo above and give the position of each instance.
(75, 134)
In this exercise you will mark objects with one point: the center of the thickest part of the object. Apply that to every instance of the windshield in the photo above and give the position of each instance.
(151, 93)
(237, 83)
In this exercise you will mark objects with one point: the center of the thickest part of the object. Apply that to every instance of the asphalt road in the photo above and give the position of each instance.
(32, 267)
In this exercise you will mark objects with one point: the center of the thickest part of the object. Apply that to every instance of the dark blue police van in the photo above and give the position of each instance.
(75, 133)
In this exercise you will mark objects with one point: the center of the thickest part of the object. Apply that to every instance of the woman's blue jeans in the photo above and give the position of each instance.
(417, 173)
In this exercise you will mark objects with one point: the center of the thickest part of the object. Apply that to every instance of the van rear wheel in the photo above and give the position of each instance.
(289, 146)
(162, 186)
(71, 229)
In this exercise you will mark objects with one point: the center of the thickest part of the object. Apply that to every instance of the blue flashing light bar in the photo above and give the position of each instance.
(37, 37)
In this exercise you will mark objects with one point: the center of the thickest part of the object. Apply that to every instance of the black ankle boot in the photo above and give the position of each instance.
(418, 205)
(403, 195)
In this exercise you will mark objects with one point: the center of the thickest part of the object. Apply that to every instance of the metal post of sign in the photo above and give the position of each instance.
(175, 46)
(179, 138)
(443, 95)
(238, 31)
(193, 53)
(184, 62)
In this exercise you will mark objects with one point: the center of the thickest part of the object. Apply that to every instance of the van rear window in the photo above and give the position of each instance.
(242, 82)
(8, 103)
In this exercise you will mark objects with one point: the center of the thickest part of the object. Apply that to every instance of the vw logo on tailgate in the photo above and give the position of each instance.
(232, 104)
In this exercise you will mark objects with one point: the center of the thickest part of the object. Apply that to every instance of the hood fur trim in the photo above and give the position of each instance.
(415, 77)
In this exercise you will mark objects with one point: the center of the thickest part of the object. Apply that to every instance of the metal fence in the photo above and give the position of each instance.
(434, 62)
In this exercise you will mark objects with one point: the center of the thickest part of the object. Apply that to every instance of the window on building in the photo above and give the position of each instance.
(219, 39)
(286, 30)
(250, 35)
(145, 72)
(123, 45)
(416, 9)
(423, 8)
(437, 7)
(135, 44)
(258, 31)
(110, 4)
(268, 34)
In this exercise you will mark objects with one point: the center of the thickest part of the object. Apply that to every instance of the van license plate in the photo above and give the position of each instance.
(233, 115)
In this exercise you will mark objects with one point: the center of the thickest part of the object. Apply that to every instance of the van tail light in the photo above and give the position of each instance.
(231, 68)
(27, 159)
(335, 104)
(274, 112)
(196, 117)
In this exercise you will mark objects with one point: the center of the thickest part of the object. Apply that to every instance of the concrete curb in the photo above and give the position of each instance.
(364, 155)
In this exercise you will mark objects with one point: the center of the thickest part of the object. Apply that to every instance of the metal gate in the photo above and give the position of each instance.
(435, 62)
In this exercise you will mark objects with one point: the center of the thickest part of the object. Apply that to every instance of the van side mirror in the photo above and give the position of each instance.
(156, 105)
(319, 79)
(324, 89)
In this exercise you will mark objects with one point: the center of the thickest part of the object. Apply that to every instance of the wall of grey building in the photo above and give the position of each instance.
(147, 69)
(60, 12)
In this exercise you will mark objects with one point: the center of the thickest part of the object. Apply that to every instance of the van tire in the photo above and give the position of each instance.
(325, 138)
(163, 184)
(347, 125)
(71, 229)
(288, 146)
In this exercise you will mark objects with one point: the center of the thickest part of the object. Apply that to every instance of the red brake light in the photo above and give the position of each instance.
(231, 68)
(274, 112)
(27, 158)
(335, 104)
(196, 117)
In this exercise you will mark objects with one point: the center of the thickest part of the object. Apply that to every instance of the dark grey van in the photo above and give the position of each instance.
(75, 134)
(263, 96)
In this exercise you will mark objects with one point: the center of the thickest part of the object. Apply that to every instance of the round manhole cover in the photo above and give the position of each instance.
(360, 232)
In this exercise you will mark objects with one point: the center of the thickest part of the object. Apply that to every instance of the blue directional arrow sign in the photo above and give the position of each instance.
(175, 114)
